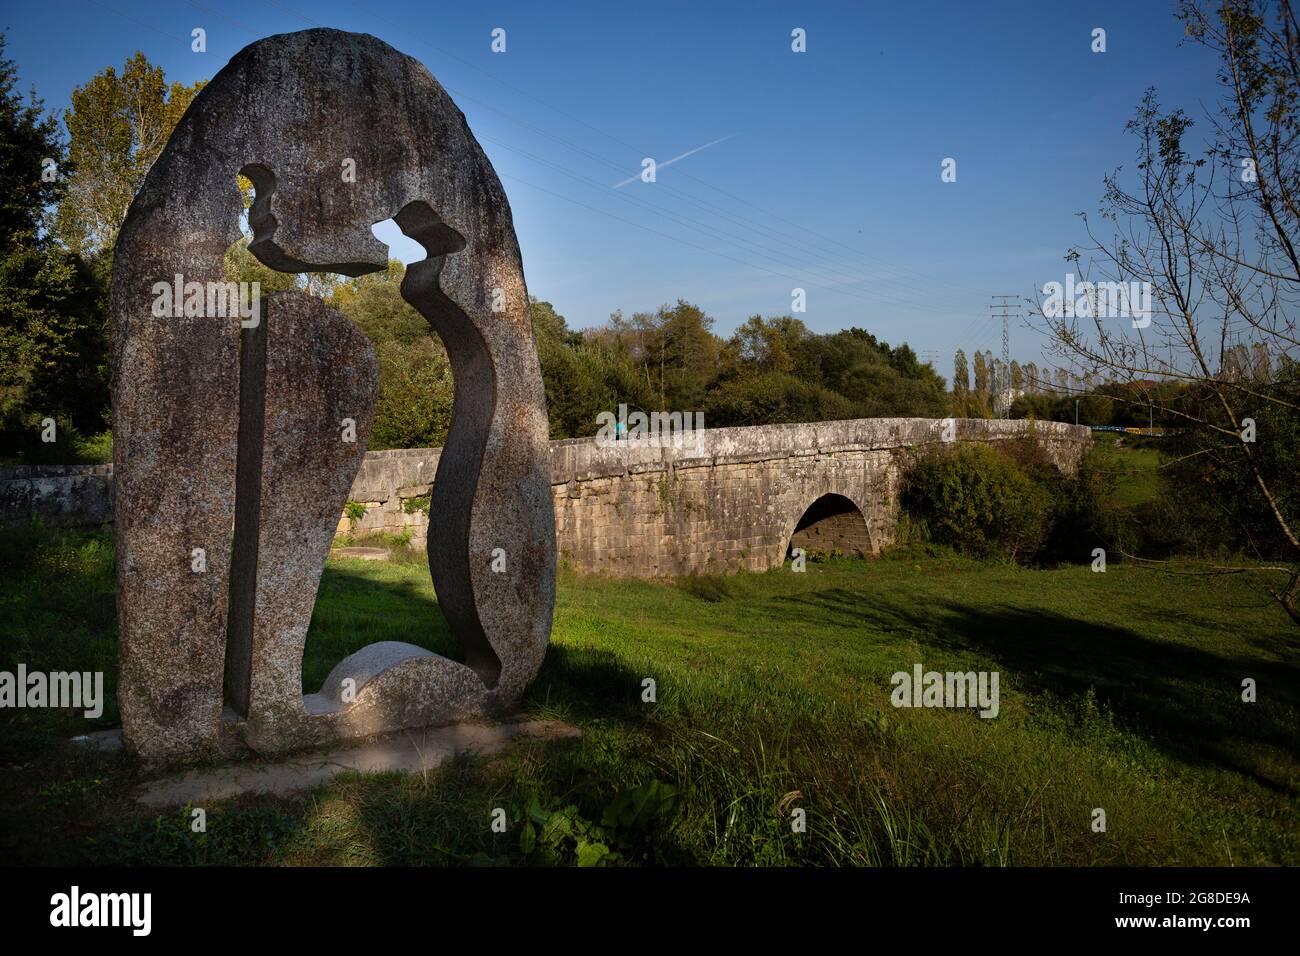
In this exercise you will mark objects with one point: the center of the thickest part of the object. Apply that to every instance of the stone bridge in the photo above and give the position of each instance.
(737, 498)
(746, 495)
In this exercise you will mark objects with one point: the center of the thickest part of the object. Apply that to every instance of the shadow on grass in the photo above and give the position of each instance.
(586, 684)
(354, 609)
(706, 587)
(236, 835)
(1184, 700)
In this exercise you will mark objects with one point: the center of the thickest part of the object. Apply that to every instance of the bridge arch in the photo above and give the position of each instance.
(831, 522)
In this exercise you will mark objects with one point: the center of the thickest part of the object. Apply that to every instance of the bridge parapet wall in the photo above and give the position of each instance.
(728, 501)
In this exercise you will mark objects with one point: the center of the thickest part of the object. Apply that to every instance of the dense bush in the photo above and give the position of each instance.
(1013, 502)
(773, 398)
(978, 501)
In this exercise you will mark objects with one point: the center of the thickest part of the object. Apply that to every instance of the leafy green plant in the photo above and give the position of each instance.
(641, 807)
(559, 837)
(565, 837)
(412, 505)
(62, 792)
(355, 510)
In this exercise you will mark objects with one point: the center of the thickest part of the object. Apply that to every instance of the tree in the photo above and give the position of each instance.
(583, 377)
(373, 301)
(117, 126)
(1032, 384)
(770, 345)
(673, 349)
(416, 390)
(28, 139)
(983, 388)
(1214, 242)
(53, 359)
(960, 383)
(998, 382)
(771, 397)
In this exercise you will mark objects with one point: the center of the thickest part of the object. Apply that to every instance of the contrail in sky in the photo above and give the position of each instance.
(659, 166)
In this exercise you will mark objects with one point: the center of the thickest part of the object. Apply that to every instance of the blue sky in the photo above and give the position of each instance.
(829, 174)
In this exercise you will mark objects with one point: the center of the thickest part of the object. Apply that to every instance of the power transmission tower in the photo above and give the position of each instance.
(1002, 392)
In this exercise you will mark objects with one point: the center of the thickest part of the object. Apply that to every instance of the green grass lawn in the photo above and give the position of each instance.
(1135, 462)
(1119, 691)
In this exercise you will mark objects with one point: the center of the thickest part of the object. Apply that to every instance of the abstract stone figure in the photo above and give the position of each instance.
(217, 429)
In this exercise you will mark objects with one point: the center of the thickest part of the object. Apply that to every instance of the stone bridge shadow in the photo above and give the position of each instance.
(1182, 700)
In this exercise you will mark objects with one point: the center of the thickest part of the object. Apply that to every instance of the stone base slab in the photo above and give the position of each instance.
(407, 752)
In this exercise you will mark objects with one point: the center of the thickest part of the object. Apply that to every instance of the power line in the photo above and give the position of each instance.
(682, 196)
(1002, 392)
(826, 271)
(875, 297)
(147, 26)
(932, 281)
(668, 237)
(781, 257)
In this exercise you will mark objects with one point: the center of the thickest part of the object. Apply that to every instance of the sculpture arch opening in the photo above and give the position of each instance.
(832, 524)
